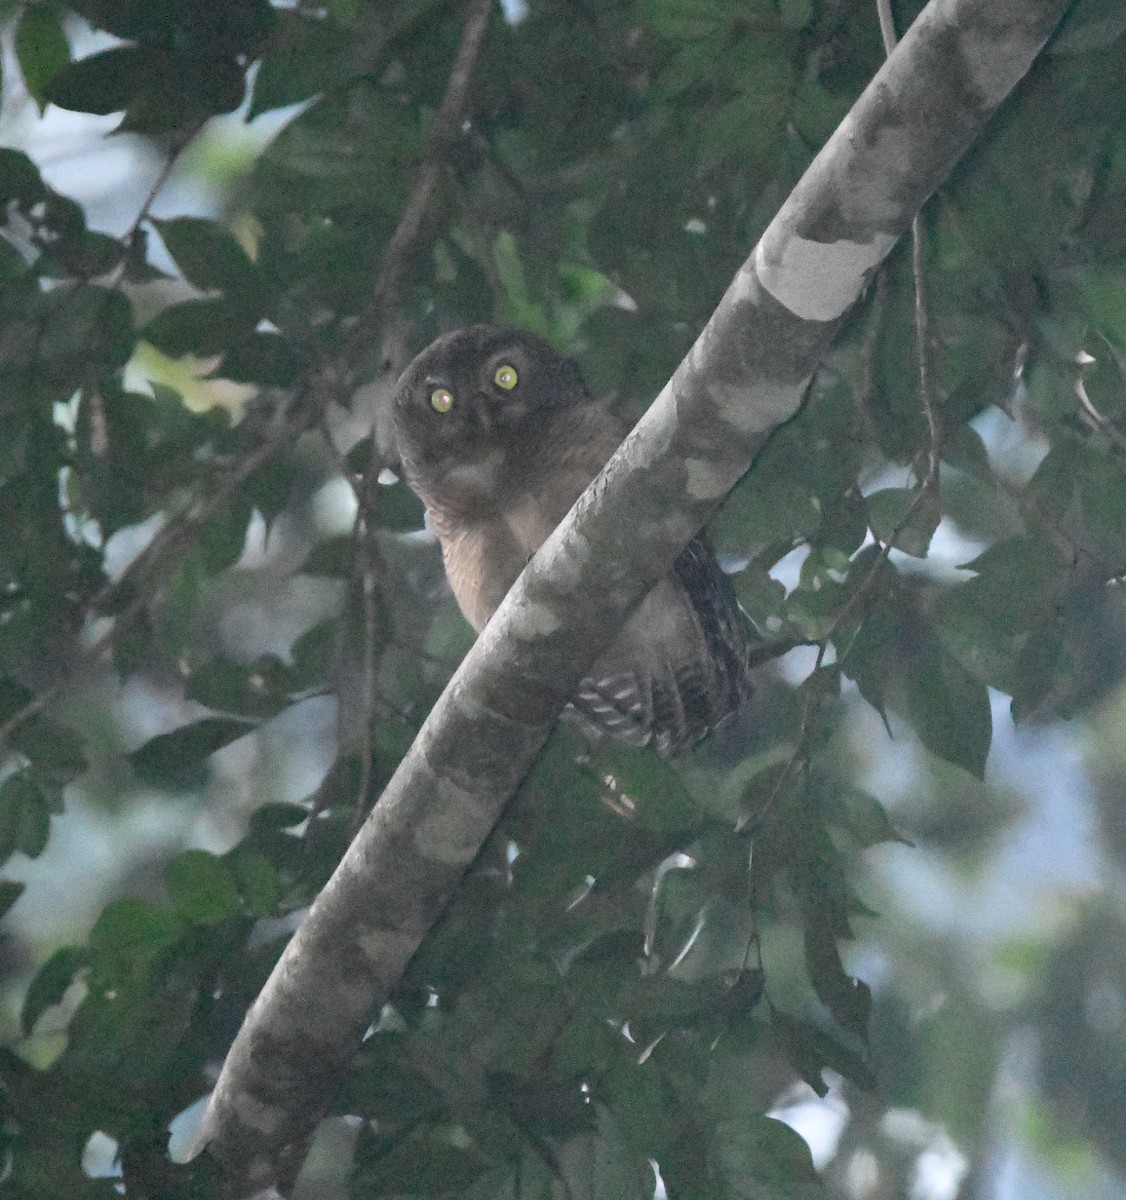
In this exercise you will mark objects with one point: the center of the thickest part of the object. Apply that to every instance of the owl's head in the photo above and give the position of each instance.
(478, 391)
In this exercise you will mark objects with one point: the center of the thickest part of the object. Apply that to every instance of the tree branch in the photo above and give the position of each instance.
(404, 240)
(746, 374)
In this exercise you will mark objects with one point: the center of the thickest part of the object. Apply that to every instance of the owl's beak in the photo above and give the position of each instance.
(485, 414)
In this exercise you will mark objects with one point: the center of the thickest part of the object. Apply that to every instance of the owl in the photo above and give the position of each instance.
(498, 436)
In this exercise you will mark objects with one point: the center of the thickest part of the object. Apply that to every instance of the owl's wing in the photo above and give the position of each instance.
(678, 668)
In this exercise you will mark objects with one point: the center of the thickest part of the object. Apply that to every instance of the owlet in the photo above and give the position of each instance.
(499, 436)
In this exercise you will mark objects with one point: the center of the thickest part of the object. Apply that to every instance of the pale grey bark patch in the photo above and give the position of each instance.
(818, 281)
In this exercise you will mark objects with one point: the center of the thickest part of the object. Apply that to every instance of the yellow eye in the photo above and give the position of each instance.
(506, 376)
(441, 400)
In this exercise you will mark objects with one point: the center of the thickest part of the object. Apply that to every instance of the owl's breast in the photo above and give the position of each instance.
(531, 521)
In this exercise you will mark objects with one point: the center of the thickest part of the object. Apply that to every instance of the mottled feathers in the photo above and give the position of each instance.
(499, 436)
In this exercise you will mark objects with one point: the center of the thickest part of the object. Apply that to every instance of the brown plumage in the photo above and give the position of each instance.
(499, 436)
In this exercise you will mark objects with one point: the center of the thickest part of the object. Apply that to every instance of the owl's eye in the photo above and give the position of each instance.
(506, 377)
(441, 400)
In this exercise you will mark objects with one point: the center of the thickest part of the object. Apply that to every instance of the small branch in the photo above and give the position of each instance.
(449, 120)
(927, 398)
(1105, 427)
(887, 25)
(865, 394)
(162, 176)
(923, 352)
(366, 561)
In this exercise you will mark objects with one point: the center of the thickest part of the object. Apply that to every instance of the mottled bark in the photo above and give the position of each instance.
(746, 374)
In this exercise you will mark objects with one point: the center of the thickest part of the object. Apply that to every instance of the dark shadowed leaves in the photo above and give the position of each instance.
(172, 758)
(50, 984)
(763, 1159)
(201, 887)
(41, 48)
(950, 710)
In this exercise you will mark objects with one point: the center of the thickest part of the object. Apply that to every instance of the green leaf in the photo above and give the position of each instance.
(211, 259)
(259, 884)
(168, 756)
(19, 179)
(812, 1050)
(541, 1105)
(1054, 483)
(313, 653)
(264, 358)
(614, 1170)
(13, 697)
(41, 48)
(776, 501)
(1013, 557)
(201, 887)
(1043, 672)
(635, 1093)
(950, 710)
(54, 750)
(258, 689)
(132, 643)
(1102, 496)
(101, 83)
(398, 509)
(867, 819)
(223, 538)
(647, 786)
(25, 818)
(848, 999)
(10, 892)
(199, 327)
(747, 127)
(277, 816)
(90, 323)
(50, 984)
(387, 1088)
(1020, 584)
(893, 519)
(305, 56)
(127, 939)
(684, 19)
(423, 1166)
(795, 14)
(330, 557)
(764, 1159)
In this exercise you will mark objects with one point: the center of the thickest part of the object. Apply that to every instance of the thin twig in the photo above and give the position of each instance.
(929, 482)
(799, 760)
(449, 120)
(385, 299)
(365, 564)
(923, 352)
(162, 176)
(1105, 427)
(887, 25)
(366, 572)
(864, 395)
